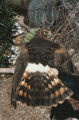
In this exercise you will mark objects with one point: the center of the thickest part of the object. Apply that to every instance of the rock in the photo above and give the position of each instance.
(40, 12)
(18, 29)
(49, 12)
(13, 58)
(19, 4)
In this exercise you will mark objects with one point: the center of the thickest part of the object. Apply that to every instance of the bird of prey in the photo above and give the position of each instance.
(35, 80)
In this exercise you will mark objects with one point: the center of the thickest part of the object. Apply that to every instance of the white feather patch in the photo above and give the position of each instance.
(32, 68)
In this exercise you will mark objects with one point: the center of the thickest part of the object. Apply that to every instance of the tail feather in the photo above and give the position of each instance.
(37, 89)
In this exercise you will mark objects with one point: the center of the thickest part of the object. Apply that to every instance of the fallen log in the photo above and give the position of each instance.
(7, 70)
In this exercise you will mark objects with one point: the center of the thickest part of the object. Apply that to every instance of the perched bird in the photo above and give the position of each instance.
(35, 80)
(39, 85)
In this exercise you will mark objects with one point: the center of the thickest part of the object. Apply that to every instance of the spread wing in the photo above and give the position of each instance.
(41, 89)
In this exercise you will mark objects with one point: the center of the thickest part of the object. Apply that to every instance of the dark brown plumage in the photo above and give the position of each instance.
(42, 51)
(49, 53)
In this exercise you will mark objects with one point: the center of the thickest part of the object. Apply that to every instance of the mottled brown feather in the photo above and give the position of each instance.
(42, 91)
